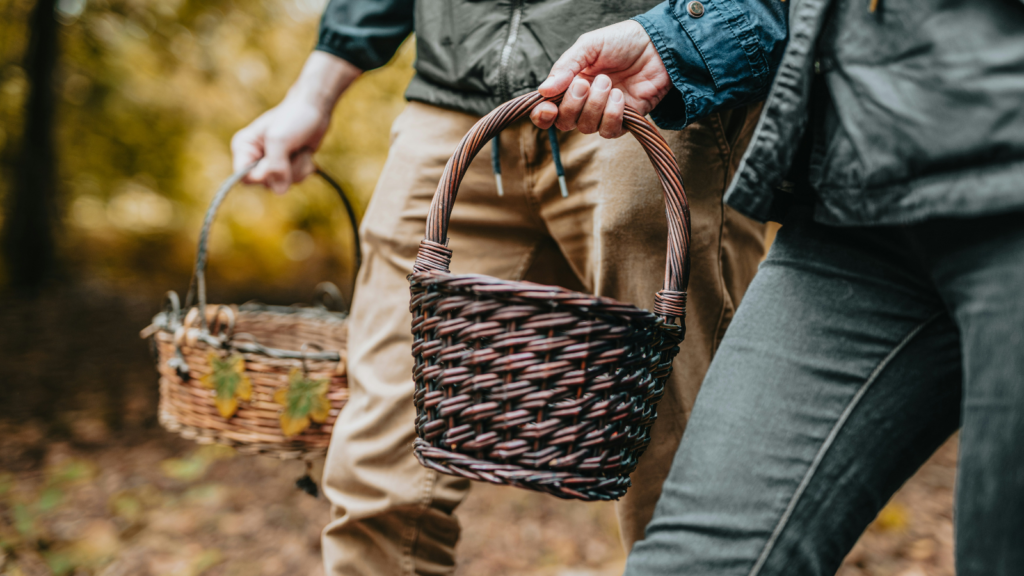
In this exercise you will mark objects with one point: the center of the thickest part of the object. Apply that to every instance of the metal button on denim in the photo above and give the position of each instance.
(695, 8)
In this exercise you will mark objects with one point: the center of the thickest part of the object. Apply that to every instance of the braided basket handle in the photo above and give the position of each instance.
(198, 284)
(670, 302)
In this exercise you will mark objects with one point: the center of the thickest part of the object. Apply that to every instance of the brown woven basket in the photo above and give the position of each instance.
(277, 344)
(537, 386)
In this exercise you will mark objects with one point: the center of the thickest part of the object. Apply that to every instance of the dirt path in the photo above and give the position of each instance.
(90, 486)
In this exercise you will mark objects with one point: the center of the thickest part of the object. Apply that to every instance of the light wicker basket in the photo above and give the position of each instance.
(276, 343)
(537, 386)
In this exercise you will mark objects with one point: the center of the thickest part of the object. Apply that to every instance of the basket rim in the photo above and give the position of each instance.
(169, 321)
(492, 287)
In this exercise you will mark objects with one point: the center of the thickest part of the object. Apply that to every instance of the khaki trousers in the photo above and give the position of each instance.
(390, 515)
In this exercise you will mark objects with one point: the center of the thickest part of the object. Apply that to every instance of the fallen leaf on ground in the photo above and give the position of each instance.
(892, 518)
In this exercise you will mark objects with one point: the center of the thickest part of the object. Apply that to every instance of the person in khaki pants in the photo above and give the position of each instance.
(391, 516)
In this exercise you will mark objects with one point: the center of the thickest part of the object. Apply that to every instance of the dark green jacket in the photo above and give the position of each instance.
(472, 55)
(912, 112)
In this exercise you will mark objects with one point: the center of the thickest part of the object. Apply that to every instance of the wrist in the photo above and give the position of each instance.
(324, 78)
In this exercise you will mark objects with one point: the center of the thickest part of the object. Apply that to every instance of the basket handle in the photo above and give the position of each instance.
(670, 302)
(198, 284)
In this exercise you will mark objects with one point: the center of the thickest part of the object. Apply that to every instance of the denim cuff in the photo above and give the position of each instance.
(713, 60)
(677, 106)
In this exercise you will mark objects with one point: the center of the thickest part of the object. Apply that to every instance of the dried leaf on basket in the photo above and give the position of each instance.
(229, 381)
(304, 401)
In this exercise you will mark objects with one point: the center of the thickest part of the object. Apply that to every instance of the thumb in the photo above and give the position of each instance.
(274, 171)
(302, 164)
(572, 62)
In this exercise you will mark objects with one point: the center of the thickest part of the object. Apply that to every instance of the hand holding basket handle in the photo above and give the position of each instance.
(265, 379)
(670, 302)
(537, 386)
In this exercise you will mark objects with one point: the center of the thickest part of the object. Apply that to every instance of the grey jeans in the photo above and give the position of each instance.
(856, 353)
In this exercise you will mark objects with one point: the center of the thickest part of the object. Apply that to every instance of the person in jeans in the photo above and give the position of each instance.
(889, 312)
(607, 235)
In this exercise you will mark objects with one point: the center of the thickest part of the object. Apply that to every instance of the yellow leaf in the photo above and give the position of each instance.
(304, 400)
(226, 406)
(320, 410)
(281, 396)
(894, 517)
(229, 382)
(244, 390)
(292, 427)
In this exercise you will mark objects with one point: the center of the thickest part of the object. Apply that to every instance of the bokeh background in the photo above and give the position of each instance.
(115, 118)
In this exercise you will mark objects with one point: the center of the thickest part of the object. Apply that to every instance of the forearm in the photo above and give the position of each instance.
(324, 78)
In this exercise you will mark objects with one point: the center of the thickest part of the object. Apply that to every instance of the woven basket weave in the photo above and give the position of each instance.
(537, 386)
(274, 341)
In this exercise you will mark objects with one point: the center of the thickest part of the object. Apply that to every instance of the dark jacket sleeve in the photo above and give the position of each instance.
(366, 33)
(720, 57)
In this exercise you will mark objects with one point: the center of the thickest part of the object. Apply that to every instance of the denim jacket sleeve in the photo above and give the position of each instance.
(366, 33)
(717, 59)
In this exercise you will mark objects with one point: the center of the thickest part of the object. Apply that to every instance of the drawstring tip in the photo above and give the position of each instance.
(496, 162)
(556, 157)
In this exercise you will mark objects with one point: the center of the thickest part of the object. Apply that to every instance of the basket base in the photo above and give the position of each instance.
(566, 485)
(207, 436)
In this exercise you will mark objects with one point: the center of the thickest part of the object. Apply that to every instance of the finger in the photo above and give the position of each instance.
(544, 115)
(572, 104)
(302, 165)
(611, 121)
(590, 117)
(274, 171)
(556, 82)
(571, 63)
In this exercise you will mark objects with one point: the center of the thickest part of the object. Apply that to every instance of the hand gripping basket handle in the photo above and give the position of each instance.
(670, 302)
(198, 285)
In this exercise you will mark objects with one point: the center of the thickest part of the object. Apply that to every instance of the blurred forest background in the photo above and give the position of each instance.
(115, 118)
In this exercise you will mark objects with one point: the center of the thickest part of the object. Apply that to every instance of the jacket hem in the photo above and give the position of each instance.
(968, 193)
(422, 90)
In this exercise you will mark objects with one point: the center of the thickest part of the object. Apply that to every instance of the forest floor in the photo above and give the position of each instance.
(90, 485)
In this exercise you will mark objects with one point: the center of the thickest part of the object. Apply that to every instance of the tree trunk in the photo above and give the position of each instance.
(29, 224)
